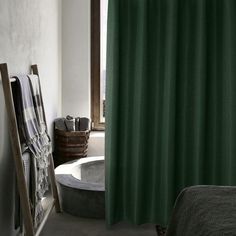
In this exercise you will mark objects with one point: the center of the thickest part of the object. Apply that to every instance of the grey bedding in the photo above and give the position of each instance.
(204, 211)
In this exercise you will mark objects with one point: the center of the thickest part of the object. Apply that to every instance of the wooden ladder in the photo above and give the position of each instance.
(29, 229)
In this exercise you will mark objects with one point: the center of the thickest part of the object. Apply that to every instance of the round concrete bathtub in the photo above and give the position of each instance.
(81, 187)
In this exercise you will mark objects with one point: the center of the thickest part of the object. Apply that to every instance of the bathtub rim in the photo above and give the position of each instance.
(64, 175)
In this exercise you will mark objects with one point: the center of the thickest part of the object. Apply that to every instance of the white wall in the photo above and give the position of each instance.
(30, 32)
(76, 66)
(96, 144)
(76, 57)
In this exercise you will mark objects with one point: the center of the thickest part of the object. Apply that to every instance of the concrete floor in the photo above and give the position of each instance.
(63, 224)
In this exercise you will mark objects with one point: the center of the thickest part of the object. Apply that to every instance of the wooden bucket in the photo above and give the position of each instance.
(70, 145)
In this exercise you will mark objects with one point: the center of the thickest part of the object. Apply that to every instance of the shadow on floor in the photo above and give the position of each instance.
(63, 224)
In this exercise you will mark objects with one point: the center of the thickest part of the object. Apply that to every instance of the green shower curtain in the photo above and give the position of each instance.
(171, 103)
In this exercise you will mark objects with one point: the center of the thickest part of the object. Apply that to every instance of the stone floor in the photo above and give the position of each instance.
(63, 224)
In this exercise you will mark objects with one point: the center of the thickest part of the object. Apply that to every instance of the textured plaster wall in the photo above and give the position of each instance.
(30, 32)
(76, 57)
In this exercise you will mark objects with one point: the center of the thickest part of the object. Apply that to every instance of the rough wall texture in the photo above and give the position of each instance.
(30, 32)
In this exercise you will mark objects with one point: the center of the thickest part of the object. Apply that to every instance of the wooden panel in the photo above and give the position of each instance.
(95, 65)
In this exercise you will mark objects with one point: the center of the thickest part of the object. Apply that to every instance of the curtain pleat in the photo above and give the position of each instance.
(170, 103)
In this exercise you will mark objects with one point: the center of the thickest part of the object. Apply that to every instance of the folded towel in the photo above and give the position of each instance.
(84, 124)
(35, 135)
(77, 123)
(70, 124)
(68, 117)
(59, 123)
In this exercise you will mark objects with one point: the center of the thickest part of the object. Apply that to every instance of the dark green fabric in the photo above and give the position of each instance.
(171, 103)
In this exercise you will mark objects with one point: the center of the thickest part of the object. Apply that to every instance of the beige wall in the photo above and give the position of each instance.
(76, 57)
(76, 66)
(30, 32)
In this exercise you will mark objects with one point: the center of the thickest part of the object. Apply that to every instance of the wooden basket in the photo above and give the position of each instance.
(70, 145)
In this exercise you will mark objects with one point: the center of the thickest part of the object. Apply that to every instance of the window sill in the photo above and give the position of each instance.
(98, 127)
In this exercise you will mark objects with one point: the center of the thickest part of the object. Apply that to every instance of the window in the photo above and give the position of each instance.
(98, 62)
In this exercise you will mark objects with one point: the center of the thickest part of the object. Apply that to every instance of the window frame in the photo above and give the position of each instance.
(95, 66)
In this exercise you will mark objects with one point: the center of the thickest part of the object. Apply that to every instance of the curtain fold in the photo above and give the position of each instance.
(170, 103)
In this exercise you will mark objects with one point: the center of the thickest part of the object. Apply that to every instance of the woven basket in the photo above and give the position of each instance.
(70, 145)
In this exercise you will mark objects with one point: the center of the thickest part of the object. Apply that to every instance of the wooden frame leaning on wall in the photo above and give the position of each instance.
(28, 229)
(95, 66)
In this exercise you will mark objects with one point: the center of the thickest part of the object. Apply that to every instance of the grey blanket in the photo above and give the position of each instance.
(35, 137)
(204, 211)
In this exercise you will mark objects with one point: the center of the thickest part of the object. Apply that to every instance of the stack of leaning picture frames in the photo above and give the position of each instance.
(28, 226)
